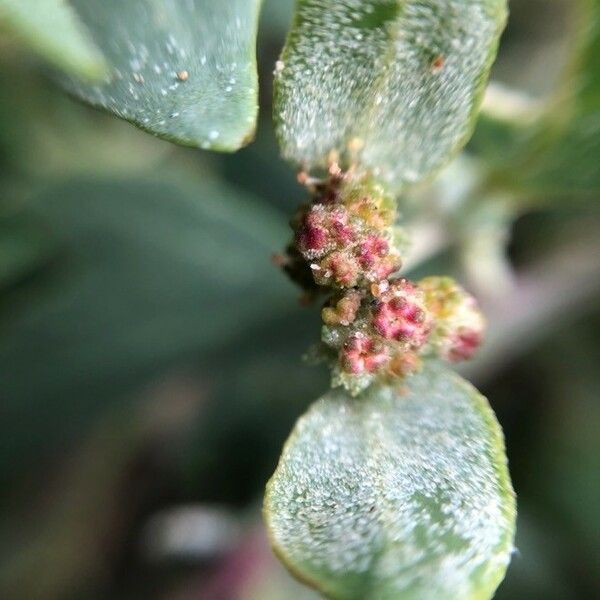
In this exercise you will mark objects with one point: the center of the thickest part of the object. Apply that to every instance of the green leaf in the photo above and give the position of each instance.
(553, 153)
(53, 30)
(584, 74)
(504, 124)
(210, 44)
(146, 276)
(402, 493)
(24, 247)
(565, 149)
(398, 81)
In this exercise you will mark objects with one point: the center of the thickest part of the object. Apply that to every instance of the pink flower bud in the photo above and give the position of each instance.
(322, 229)
(459, 324)
(401, 315)
(312, 240)
(463, 344)
(341, 231)
(362, 354)
(374, 256)
(313, 237)
(338, 269)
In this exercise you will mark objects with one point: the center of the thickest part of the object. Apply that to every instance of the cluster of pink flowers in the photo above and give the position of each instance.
(377, 325)
(347, 236)
(384, 332)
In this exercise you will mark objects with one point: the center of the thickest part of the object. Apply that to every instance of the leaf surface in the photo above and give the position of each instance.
(392, 84)
(184, 70)
(398, 494)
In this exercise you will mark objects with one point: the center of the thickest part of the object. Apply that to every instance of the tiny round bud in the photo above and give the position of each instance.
(401, 315)
(361, 354)
(313, 237)
(463, 344)
(403, 364)
(375, 257)
(380, 288)
(344, 311)
(338, 269)
(459, 323)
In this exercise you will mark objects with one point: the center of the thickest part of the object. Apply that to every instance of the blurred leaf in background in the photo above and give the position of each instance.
(548, 150)
(136, 283)
(53, 29)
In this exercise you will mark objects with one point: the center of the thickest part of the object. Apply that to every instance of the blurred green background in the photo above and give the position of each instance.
(150, 352)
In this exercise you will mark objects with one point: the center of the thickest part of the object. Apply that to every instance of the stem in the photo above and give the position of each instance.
(550, 294)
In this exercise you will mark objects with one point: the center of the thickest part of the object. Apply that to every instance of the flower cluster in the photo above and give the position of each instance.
(347, 234)
(378, 332)
(376, 325)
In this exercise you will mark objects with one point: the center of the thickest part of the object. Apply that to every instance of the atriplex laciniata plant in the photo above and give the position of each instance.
(394, 484)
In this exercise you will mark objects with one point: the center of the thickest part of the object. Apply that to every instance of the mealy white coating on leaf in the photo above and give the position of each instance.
(401, 79)
(396, 495)
(184, 70)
